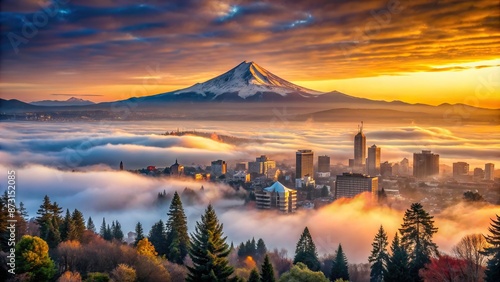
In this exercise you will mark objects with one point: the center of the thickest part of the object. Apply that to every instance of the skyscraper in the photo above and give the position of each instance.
(373, 162)
(304, 163)
(323, 164)
(425, 164)
(460, 169)
(218, 168)
(359, 147)
(489, 171)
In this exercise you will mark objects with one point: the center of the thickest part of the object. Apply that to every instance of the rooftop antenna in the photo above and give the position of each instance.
(361, 127)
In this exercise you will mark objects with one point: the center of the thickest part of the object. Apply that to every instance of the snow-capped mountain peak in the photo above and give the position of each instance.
(247, 79)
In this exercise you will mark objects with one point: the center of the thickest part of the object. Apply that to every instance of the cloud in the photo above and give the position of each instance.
(138, 145)
(129, 198)
(307, 40)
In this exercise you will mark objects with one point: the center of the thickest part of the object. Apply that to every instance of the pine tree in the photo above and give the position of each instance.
(105, 231)
(53, 237)
(44, 217)
(306, 251)
(176, 229)
(493, 266)
(416, 238)
(4, 235)
(90, 225)
(139, 233)
(267, 274)
(209, 250)
(79, 224)
(250, 248)
(254, 276)
(378, 257)
(116, 231)
(102, 230)
(242, 251)
(340, 268)
(68, 231)
(261, 249)
(398, 265)
(157, 237)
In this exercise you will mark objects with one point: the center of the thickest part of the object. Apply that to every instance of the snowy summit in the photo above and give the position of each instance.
(247, 79)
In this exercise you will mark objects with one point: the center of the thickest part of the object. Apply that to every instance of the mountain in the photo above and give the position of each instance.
(246, 82)
(70, 102)
(13, 105)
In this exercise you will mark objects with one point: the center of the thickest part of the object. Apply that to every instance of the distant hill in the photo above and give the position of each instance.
(70, 102)
(13, 104)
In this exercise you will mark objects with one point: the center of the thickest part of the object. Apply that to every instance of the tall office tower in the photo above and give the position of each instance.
(489, 171)
(478, 174)
(348, 185)
(359, 147)
(323, 164)
(304, 163)
(425, 164)
(261, 165)
(460, 169)
(386, 169)
(323, 167)
(373, 162)
(218, 167)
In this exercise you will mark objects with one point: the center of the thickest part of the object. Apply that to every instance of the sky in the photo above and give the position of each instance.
(416, 51)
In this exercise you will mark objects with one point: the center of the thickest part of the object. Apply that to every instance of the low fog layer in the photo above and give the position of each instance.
(129, 198)
(77, 145)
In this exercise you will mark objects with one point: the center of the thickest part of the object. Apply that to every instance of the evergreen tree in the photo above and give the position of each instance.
(157, 237)
(102, 230)
(44, 217)
(306, 251)
(416, 238)
(116, 231)
(398, 265)
(105, 231)
(254, 276)
(22, 221)
(79, 224)
(108, 234)
(242, 251)
(53, 236)
(90, 225)
(493, 266)
(4, 235)
(378, 257)
(68, 231)
(261, 249)
(267, 274)
(250, 248)
(139, 233)
(209, 250)
(340, 268)
(176, 229)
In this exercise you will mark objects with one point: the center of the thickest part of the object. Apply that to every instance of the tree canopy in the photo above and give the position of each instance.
(208, 250)
(305, 251)
(416, 238)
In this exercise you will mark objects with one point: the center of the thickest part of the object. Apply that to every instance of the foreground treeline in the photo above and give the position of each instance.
(61, 246)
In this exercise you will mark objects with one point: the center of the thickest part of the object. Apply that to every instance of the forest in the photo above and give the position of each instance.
(60, 245)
